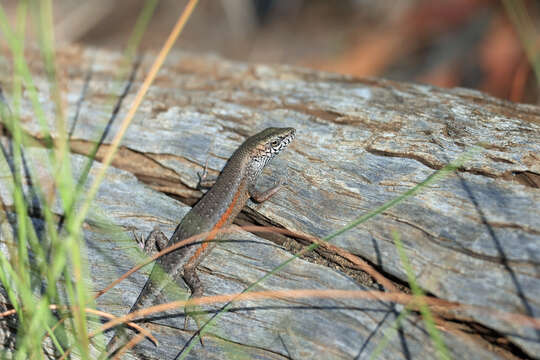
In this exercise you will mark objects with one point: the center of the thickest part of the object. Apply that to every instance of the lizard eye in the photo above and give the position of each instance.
(274, 143)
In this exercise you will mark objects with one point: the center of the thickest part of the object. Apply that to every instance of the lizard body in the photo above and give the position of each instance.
(216, 209)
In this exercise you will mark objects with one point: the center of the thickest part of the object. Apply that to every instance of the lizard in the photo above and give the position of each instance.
(216, 209)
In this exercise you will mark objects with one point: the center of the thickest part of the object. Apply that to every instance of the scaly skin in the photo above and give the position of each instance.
(216, 209)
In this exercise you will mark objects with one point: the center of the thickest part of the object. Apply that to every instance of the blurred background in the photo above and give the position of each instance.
(492, 46)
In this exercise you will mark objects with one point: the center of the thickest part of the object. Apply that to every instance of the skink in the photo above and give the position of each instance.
(217, 208)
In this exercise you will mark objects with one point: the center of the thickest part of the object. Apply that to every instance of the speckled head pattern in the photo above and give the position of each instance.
(265, 145)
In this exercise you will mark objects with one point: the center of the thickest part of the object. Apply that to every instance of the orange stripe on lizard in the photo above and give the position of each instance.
(222, 220)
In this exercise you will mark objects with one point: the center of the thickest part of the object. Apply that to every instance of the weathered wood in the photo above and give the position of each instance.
(473, 237)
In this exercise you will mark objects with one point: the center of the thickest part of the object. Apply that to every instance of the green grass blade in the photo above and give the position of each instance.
(43, 12)
(389, 334)
(19, 257)
(527, 31)
(140, 28)
(24, 72)
(55, 341)
(18, 280)
(435, 335)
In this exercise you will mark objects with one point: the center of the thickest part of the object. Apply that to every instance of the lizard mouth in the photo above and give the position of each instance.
(290, 137)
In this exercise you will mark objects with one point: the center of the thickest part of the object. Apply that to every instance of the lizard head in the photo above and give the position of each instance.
(270, 142)
(267, 144)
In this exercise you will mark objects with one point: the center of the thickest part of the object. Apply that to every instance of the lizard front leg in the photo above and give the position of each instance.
(262, 196)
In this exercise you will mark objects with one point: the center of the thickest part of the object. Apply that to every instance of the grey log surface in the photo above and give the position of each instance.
(473, 237)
